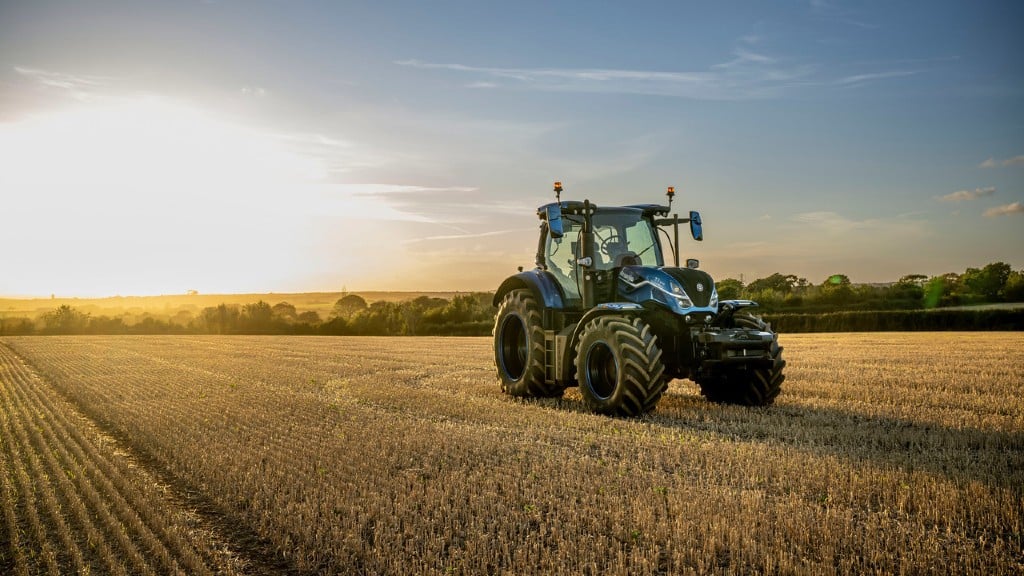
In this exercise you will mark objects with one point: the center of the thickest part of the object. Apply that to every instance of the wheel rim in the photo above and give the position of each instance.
(602, 370)
(513, 347)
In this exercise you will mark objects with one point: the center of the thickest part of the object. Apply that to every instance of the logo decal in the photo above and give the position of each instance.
(700, 287)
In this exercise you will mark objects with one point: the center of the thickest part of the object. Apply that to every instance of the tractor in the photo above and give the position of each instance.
(602, 311)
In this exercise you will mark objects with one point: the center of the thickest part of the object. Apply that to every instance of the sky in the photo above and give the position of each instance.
(268, 146)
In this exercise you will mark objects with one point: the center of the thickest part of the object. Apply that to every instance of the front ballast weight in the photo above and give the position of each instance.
(603, 312)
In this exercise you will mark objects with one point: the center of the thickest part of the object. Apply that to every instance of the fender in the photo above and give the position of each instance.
(726, 309)
(628, 309)
(541, 283)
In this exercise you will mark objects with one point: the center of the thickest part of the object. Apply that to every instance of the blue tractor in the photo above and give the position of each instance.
(603, 312)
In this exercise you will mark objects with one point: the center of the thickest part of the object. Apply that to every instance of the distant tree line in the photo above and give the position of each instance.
(463, 315)
(792, 303)
(994, 283)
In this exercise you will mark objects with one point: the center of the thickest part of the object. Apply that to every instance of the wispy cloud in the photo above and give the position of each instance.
(832, 221)
(992, 162)
(467, 236)
(79, 86)
(61, 79)
(1014, 208)
(748, 75)
(961, 195)
(836, 225)
(859, 79)
(402, 189)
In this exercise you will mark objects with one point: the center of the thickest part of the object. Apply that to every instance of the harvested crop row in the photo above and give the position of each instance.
(402, 456)
(71, 503)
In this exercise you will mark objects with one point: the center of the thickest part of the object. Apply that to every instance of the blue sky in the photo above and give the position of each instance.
(292, 146)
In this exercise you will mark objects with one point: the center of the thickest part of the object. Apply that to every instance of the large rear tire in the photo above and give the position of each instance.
(618, 366)
(748, 387)
(519, 347)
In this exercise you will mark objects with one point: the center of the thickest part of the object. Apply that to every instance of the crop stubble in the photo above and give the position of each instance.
(885, 453)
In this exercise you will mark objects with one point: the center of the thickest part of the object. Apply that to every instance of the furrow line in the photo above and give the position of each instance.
(106, 491)
(32, 468)
(12, 556)
(55, 471)
(132, 505)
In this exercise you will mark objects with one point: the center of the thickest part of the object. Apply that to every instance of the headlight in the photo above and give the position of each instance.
(680, 295)
(714, 298)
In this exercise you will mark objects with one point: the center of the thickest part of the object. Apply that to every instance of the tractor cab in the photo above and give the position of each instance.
(621, 236)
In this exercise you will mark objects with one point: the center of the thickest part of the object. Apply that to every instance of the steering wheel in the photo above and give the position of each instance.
(612, 238)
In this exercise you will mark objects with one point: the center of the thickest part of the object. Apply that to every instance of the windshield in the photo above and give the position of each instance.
(624, 239)
(621, 238)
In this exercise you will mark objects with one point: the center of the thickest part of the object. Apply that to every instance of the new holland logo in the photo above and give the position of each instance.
(700, 287)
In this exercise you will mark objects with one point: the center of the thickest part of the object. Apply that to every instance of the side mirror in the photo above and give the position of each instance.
(554, 218)
(695, 229)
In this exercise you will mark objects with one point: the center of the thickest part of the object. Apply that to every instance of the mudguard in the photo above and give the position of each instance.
(540, 282)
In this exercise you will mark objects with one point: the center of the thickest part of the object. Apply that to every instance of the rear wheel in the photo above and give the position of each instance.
(618, 366)
(519, 347)
(747, 387)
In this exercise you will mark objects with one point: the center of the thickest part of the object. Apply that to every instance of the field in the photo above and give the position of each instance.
(885, 453)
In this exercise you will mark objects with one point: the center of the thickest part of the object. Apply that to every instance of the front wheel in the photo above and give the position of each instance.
(618, 366)
(748, 387)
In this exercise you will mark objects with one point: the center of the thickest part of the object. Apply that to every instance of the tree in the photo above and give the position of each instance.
(909, 287)
(729, 289)
(309, 317)
(1014, 290)
(221, 319)
(348, 306)
(284, 311)
(782, 284)
(258, 317)
(837, 289)
(987, 282)
(940, 290)
(65, 320)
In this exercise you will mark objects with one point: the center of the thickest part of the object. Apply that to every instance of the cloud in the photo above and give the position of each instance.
(60, 79)
(858, 79)
(401, 189)
(468, 235)
(79, 86)
(1014, 208)
(961, 195)
(748, 75)
(836, 225)
(992, 162)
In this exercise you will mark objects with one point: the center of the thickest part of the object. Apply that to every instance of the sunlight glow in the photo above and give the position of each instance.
(147, 195)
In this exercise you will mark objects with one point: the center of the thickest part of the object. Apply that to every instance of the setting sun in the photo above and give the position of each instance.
(147, 195)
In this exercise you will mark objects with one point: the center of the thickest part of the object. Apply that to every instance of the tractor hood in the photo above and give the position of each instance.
(681, 290)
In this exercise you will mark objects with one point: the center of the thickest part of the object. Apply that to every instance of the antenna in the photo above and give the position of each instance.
(671, 193)
(558, 192)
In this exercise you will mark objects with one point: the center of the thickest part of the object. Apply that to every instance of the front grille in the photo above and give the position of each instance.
(689, 278)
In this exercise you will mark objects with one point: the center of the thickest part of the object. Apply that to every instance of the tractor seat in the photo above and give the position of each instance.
(626, 259)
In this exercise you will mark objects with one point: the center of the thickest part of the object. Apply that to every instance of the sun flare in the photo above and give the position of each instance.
(148, 195)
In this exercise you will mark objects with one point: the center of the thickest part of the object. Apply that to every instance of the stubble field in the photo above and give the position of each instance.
(885, 453)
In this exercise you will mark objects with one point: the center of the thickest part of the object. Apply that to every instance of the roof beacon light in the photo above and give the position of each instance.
(671, 192)
(558, 191)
